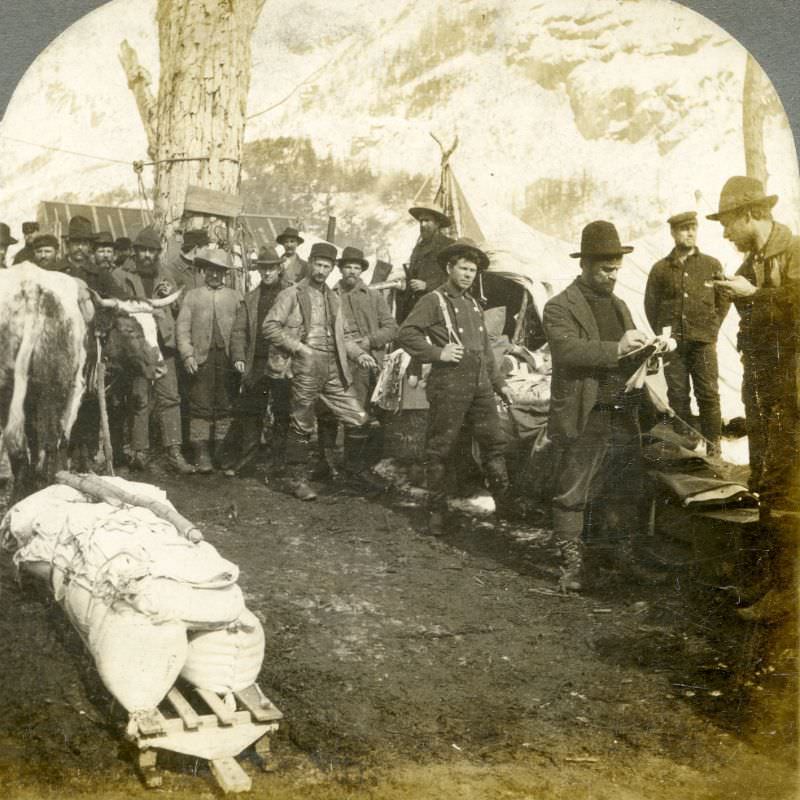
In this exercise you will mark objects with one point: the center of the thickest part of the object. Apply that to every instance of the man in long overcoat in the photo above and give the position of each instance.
(593, 421)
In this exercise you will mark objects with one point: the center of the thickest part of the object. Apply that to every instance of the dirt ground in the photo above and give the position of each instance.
(408, 666)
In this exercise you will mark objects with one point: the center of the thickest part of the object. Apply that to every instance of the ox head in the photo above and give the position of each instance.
(133, 338)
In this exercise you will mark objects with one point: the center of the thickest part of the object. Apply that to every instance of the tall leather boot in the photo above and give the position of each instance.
(327, 431)
(437, 498)
(567, 531)
(176, 462)
(250, 441)
(202, 457)
(498, 485)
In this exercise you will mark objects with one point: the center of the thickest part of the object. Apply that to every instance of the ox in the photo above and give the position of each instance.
(43, 325)
(46, 324)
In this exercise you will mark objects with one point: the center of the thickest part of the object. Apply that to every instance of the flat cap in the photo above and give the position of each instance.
(684, 218)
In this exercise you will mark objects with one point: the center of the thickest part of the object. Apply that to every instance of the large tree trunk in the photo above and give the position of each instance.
(754, 110)
(195, 126)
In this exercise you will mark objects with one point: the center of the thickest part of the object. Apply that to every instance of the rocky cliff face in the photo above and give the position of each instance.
(565, 110)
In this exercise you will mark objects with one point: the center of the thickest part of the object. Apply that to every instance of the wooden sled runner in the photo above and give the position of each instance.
(198, 723)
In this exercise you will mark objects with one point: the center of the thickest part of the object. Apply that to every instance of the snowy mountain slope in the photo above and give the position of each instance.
(636, 102)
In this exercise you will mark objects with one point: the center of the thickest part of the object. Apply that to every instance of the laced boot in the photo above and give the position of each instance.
(176, 462)
(571, 566)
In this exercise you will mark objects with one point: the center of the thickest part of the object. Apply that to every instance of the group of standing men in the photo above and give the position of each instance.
(310, 353)
(594, 422)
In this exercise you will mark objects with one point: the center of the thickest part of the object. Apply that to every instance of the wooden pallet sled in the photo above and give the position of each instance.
(199, 723)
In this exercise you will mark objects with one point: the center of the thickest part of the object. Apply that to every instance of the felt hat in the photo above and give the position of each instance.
(103, 239)
(5, 235)
(29, 227)
(44, 240)
(353, 255)
(684, 218)
(289, 233)
(430, 210)
(267, 256)
(742, 192)
(213, 258)
(196, 237)
(80, 230)
(123, 243)
(466, 248)
(600, 238)
(323, 250)
(148, 237)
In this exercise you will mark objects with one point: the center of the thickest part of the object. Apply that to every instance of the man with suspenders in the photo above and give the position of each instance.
(446, 329)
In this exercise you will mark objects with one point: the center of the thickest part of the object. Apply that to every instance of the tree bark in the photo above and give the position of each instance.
(198, 119)
(754, 110)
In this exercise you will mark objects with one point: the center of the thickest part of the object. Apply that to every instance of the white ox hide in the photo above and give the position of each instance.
(43, 329)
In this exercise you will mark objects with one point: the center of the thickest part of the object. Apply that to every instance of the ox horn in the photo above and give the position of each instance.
(161, 302)
(107, 302)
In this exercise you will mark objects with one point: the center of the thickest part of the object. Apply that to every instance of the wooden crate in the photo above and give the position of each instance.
(199, 723)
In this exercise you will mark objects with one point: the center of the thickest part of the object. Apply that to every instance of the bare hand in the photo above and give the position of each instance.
(191, 365)
(452, 353)
(631, 340)
(238, 366)
(417, 285)
(738, 286)
(507, 395)
(367, 361)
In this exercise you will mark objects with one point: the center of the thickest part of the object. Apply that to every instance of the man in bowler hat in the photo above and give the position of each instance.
(424, 273)
(766, 293)
(446, 328)
(29, 230)
(306, 327)
(294, 268)
(681, 294)
(593, 422)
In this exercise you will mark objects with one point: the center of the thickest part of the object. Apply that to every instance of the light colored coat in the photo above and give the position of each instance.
(196, 318)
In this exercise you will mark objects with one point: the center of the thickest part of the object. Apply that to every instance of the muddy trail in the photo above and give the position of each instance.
(408, 666)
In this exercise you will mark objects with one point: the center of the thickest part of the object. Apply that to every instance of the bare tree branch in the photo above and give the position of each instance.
(139, 82)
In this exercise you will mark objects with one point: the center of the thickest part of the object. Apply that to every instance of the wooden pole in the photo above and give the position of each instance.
(105, 432)
(115, 495)
(331, 235)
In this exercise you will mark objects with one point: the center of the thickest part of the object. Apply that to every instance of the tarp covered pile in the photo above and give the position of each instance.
(149, 604)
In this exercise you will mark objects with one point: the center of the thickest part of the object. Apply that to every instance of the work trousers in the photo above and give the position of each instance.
(461, 396)
(160, 397)
(327, 426)
(316, 377)
(605, 459)
(695, 362)
(213, 387)
(773, 429)
(258, 392)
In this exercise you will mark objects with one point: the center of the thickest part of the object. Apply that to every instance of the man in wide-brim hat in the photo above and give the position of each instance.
(766, 293)
(294, 267)
(368, 327)
(6, 239)
(423, 272)
(446, 328)
(681, 295)
(78, 239)
(593, 422)
(204, 327)
(259, 389)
